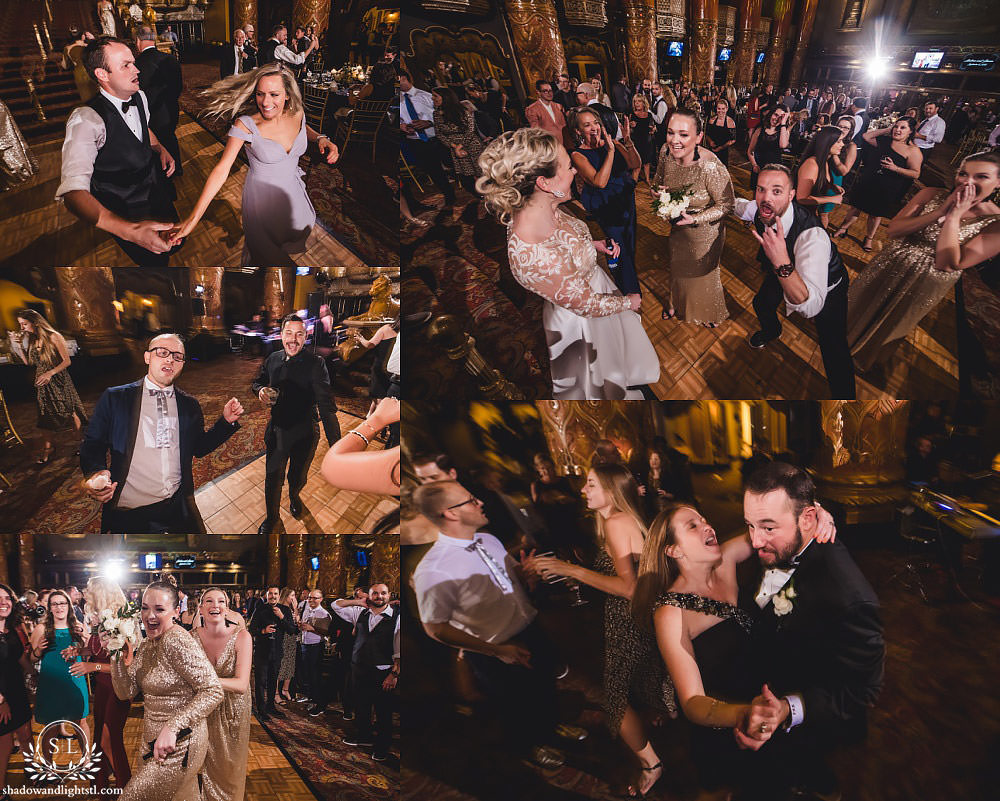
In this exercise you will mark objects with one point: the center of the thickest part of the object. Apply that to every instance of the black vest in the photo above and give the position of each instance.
(802, 220)
(127, 177)
(866, 121)
(373, 647)
(266, 54)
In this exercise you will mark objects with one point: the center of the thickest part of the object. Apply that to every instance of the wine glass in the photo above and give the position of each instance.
(571, 584)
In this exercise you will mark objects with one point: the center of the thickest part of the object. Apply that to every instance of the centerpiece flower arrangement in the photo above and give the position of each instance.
(886, 121)
(672, 203)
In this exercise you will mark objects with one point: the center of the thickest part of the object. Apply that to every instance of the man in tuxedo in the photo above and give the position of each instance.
(249, 49)
(802, 267)
(153, 430)
(114, 168)
(270, 624)
(302, 383)
(160, 79)
(545, 113)
(817, 636)
(234, 55)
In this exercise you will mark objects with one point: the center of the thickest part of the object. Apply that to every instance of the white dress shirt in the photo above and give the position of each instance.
(423, 104)
(154, 474)
(811, 256)
(288, 55)
(392, 363)
(932, 129)
(351, 615)
(994, 139)
(308, 615)
(237, 59)
(660, 115)
(86, 135)
(454, 585)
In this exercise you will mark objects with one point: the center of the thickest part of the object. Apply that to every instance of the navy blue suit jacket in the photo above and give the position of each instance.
(115, 424)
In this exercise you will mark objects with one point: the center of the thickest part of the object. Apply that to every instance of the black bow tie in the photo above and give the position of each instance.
(132, 101)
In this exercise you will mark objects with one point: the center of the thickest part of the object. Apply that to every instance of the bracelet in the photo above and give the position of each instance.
(362, 436)
(322, 136)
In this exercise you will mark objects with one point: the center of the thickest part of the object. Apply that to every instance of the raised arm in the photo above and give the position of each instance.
(850, 154)
(951, 254)
(720, 190)
(190, 663)
(124, 671)
(910, 220)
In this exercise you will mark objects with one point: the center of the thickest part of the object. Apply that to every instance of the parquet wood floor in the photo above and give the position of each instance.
(35, 229)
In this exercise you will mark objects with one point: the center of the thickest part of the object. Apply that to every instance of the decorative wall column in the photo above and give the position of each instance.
(296, 575)
(86, 295)
(779, 41)
(802, 42)
(385, 561)
(245, 13)
(273, 559)
(745, 51)
(279, 292)
(535, 33)
(572, 429)
(4, 569)
(311, 12)
(860, 465)
(332, 577)
(26, 559)
(210, 279)
(640, 39)
(704, 16)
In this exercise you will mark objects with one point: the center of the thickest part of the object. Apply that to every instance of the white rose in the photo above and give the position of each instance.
(127, 628)
(789, 591)
(782, 606)
(106, 614)
(116, 643)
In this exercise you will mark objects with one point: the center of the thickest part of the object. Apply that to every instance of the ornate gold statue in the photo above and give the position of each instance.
(383, 309)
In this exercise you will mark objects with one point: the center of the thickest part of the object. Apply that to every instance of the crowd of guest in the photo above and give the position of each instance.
(818, 147)
(261, 647)
(681, 637)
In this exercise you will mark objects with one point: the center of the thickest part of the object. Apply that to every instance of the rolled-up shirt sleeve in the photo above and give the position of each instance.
(812, 261)
(291, 57)
(85, 135)
(745, 209)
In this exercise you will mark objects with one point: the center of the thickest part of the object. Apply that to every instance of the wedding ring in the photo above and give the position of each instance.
(764, 728)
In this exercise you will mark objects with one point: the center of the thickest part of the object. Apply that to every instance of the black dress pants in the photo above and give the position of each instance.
(371, 697)
(831, 328)
(266, 666)
(291, 448)
(171, 516)
(429, 156)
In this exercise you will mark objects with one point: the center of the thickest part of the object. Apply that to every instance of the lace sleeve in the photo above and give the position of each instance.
(720, 189)
(541, 269)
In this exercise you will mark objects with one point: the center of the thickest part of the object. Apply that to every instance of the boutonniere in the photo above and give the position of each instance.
(782, 600)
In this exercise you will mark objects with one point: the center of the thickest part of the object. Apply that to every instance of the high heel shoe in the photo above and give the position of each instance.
(46, 455)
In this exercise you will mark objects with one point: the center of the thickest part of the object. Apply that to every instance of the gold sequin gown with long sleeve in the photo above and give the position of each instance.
(225, 769)
(597, 345)
(695, 250)
(900, 286)
(180, 689)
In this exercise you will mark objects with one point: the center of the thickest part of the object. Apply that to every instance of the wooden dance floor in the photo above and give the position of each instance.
(234, 502)
(35, 229)
(270, 775)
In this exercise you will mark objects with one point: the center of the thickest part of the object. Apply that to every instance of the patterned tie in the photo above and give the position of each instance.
(162, 421)
(413, 116)
(496, 570)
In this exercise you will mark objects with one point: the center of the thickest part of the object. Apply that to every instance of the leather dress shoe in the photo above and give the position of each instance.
(265, 527)
(295, 505)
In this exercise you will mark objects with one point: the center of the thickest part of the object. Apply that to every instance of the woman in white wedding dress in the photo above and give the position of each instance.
(598, 348)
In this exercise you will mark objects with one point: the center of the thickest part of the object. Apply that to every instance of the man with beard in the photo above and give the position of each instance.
(374, 667)
(817, 635)
(153, 431)
(802, 267)
(270, 624)
(295, 384)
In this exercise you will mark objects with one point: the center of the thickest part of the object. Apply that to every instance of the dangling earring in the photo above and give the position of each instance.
(558, 194)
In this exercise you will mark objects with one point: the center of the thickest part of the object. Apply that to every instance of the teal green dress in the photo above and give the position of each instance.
(838, 179)
(60, 696)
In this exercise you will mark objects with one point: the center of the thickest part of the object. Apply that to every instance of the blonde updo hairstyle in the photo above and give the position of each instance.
(510, 165)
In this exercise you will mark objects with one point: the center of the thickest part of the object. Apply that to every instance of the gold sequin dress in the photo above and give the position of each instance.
(695, 250)
(180, 689)
(225, 769)
(17, 163)
(900, 286)
(597, 345)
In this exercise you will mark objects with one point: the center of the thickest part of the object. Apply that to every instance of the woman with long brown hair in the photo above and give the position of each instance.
(286, 671)
(455, 126)
(632, 671)
(265, 107)
(15, 709)
(59, 404)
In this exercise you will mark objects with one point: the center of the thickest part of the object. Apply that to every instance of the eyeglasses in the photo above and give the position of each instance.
(162, 353)
(463, 503)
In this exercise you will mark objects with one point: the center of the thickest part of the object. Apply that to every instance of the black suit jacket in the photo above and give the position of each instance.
(160, 78)
(115, 423)
(265, 646)
(228, 61)
(828, 648)
(250, 57)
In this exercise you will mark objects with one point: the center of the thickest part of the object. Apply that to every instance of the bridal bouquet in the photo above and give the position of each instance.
(120, 626)
(671, 204)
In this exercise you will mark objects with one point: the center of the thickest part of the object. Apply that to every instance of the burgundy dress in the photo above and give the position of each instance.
(111, 712)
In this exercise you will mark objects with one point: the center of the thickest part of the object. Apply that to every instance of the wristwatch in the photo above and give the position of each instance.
(784, 270)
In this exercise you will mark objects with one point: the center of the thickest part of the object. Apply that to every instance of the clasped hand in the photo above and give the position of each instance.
(765, 715)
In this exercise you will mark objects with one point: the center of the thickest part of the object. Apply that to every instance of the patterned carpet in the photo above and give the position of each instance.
(46, 500)
(333, 771)
(458, 266)
(355, 202)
